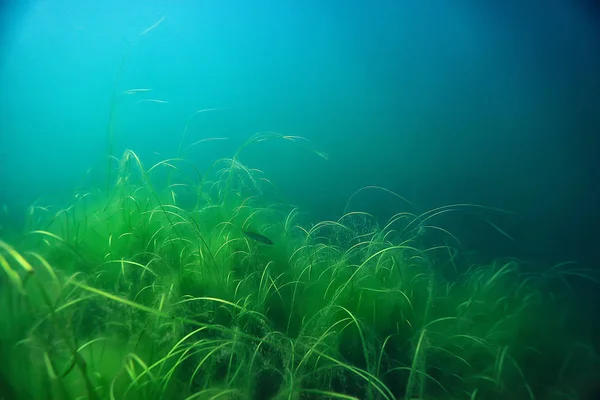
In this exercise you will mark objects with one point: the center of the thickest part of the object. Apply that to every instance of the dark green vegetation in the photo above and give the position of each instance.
(154, 291)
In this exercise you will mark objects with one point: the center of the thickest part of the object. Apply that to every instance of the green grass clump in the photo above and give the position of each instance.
(154, 291)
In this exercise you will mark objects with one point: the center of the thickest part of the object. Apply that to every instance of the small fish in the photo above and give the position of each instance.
(152, 101)
(134, 91)
(258, 237)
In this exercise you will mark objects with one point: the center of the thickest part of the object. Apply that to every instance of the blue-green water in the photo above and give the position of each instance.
(471, 102)
(490, 103)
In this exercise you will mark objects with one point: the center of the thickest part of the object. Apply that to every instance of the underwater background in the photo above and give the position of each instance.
(494, 106)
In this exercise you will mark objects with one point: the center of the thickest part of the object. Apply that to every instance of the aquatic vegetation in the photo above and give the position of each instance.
(153, 290)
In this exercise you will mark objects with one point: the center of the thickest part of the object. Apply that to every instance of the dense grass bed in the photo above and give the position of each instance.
(166, 287)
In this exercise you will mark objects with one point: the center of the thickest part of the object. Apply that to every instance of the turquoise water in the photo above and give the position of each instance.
(490, 104)
(468, 103)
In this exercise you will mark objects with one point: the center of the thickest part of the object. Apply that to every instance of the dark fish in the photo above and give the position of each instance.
(258, 237)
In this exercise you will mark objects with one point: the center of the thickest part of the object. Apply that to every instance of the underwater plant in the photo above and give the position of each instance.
(160, 289)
